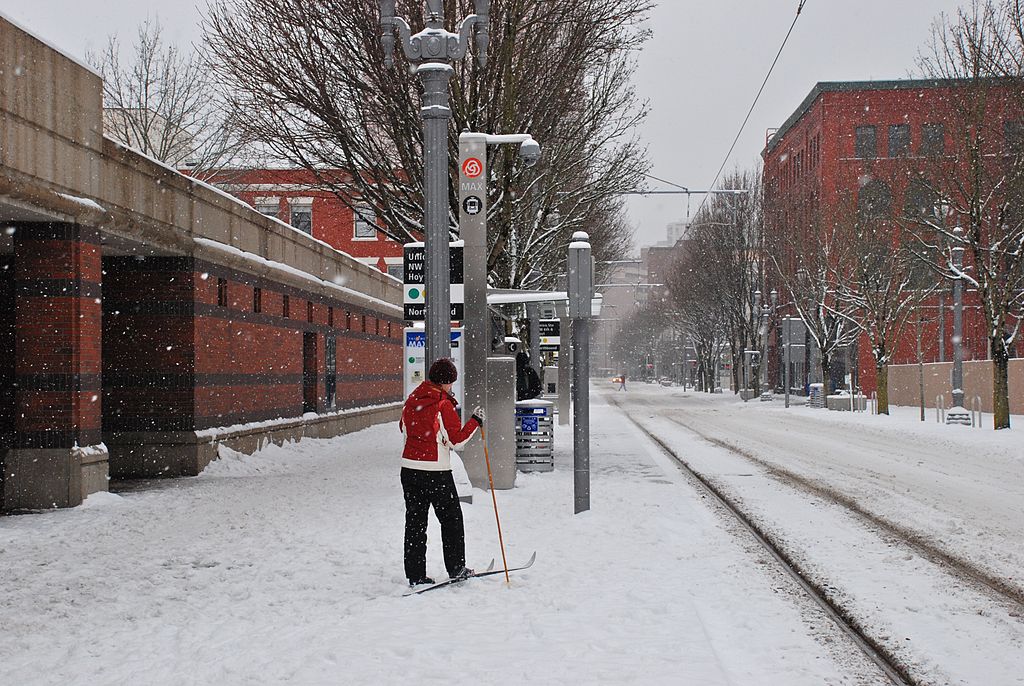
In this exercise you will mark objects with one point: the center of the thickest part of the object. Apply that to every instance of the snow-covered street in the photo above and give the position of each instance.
(285, 567)
(914, 528)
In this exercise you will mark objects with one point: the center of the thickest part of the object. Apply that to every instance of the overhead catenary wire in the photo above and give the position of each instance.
(757, 97)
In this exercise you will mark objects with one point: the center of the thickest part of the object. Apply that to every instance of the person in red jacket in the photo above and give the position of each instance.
(432, 428)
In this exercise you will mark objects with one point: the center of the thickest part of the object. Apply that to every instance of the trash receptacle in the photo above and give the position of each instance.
(535, 436)
(817, 395)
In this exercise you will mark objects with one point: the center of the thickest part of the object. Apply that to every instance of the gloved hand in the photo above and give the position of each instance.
(478, 415)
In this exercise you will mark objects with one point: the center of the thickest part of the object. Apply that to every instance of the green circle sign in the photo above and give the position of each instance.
(414, 293)
(412, 360)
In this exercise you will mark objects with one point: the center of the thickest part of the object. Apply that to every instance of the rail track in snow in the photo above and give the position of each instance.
(891, 667)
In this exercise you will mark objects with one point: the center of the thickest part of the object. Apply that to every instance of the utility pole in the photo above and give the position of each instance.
(581, 287)
(433, 49)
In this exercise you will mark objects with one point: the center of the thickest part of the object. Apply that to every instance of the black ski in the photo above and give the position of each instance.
(487, 572)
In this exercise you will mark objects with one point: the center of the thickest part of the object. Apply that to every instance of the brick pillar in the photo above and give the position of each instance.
(57, 370)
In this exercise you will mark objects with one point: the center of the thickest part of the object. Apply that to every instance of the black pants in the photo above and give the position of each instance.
(423, 489)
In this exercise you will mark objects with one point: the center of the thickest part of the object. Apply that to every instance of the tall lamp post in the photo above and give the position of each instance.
(433, 49)
(957, 413)
(766, 310)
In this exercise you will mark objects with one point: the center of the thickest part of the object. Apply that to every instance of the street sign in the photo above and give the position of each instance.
(550, 335)
(794, 332)
(414, 363)
(472, 205)
(415, 302)
(472, 168)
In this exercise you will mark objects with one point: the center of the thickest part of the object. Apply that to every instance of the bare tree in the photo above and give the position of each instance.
(163, 103)
(981, 179)
(807, 261)
(309, 80)
(699, 309)
(728, 237)
(882, 283)
(639, 335)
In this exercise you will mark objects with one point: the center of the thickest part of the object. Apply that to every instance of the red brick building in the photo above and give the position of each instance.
(296, 197)
(864, 141)
(147, 318)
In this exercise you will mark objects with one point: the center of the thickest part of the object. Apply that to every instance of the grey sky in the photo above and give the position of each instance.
(699, 72)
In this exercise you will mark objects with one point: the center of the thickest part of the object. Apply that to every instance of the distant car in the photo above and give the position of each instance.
(616, 379)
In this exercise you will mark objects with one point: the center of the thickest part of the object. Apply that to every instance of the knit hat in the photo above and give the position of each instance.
(443, 371)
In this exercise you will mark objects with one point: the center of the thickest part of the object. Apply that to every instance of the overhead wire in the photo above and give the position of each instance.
(757, 97)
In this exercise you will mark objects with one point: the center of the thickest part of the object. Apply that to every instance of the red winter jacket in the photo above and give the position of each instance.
(432, 428)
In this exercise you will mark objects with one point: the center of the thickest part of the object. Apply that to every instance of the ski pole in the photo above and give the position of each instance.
(494, 499)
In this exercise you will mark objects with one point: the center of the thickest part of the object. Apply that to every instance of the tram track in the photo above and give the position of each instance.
(877, 653)
(961, 567)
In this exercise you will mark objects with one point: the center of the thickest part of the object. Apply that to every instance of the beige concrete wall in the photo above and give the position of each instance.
(904, 385)
(50, 113)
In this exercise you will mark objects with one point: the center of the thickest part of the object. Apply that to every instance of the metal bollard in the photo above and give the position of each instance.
(976, 407)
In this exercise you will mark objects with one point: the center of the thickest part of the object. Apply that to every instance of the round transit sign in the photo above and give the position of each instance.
(472, 168)
(472, 205)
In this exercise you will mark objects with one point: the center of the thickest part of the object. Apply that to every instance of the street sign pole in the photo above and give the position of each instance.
(473, 232)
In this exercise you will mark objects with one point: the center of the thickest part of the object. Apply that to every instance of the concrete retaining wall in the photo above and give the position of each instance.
(904, 385)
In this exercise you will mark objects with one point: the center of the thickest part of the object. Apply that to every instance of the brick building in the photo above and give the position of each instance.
(864, 141)
(296, 197)
(146, 318)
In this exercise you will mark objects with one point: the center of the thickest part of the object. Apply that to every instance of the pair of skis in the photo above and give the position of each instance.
(490, 571)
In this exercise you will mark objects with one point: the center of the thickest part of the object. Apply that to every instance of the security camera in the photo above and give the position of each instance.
(529, 152)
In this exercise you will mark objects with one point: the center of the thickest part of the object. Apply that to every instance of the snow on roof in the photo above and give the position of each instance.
(288, 269)
(241, 203)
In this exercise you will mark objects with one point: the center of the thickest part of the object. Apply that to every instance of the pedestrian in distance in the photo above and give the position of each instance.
(622, 382)
(432, 428)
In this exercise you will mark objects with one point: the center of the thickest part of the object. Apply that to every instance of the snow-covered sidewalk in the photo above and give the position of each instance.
(286, 567)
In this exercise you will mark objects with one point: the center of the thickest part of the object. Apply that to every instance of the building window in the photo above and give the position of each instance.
(933, 140)
(348, 320)
(899, 140)
(866, 142)
(874, 201)
(257, 299)
(309, 311)
(222, 292)
(365, 223)
(364, 324)
(919, 201)
(397, 271)
(302, 217)
(1014, 131)
(330, 316)
(389, 329)
(268, 207)
(285, 307)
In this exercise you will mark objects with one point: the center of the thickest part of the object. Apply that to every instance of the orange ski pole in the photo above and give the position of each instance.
(494, 499)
